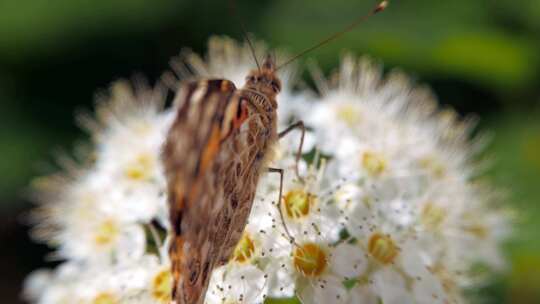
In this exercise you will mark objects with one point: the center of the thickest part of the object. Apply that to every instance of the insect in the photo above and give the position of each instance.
(216, 150)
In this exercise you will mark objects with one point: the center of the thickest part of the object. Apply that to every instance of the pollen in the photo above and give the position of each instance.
(310, 259)
(140, 169)
(244, 249)
(298, 203)
(105, 298)
(106, 233)
(382, 248)
(432, 215)
(162, 286)
(373, 163)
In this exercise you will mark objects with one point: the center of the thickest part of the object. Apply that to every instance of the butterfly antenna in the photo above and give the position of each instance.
(232, 4)
(379, 8)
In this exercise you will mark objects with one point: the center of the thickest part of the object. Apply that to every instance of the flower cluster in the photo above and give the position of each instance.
(389, 207)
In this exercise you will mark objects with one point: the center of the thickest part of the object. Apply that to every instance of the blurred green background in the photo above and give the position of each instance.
(480, 57)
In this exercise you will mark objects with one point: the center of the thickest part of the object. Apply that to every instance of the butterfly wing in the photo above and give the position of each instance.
(193, 157)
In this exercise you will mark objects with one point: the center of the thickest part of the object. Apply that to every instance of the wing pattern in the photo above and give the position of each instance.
(209, 113)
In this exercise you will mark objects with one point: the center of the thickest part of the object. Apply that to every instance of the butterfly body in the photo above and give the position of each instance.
(215, 153)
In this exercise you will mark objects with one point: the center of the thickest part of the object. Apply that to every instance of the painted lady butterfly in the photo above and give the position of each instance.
(216, 150)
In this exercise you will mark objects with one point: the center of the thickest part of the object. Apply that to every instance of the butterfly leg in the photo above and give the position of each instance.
(280, 172)
(298, 125)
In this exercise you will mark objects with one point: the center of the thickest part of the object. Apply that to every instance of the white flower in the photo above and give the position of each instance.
(145, 280)
(129, 133)
(237, 284)
(392, 255)
(82, 224)
(408, 186)
(387, 206)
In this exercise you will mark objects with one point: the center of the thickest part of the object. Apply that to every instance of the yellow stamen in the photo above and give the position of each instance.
(141, 168)
(478, 230)
(105, 298)
(433, 166)
(244, 249)
(162, 286)
(382, 248)
(106, 232)
(433, 215)
(298, 203)
(349, 114)
(310, 259)
(373, 163)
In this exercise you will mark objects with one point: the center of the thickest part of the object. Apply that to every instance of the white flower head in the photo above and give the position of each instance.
(383, 205)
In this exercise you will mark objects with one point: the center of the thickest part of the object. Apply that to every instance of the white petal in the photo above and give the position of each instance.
(281, 280)
(362, 295)
(429, 290)
(412, 261)
(327, 289)
(131, 243)
(348, 260)
(36, 283)
(390, 287)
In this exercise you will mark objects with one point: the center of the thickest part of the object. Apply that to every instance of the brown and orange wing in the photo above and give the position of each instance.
(209, 112)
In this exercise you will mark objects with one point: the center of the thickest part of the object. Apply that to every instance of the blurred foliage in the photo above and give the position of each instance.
(30, 28)
(282, 301)
(516, 148)
(458, 39)
(479, 56)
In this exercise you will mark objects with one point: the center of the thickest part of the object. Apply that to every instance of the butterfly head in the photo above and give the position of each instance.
(265, 79)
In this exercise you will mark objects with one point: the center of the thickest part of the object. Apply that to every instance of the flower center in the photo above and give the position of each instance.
(382, 248)
(309, 259)
(244, 249)
(162, 286)
(349, 114)
(433, 215)
(140, 168)
(297, 203)
(373, 163)
(105, 298)
(436, 168)
(478, 230)
(142, 128)
(106, 232)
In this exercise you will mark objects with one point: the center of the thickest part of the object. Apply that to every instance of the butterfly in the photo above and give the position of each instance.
(216, 150)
